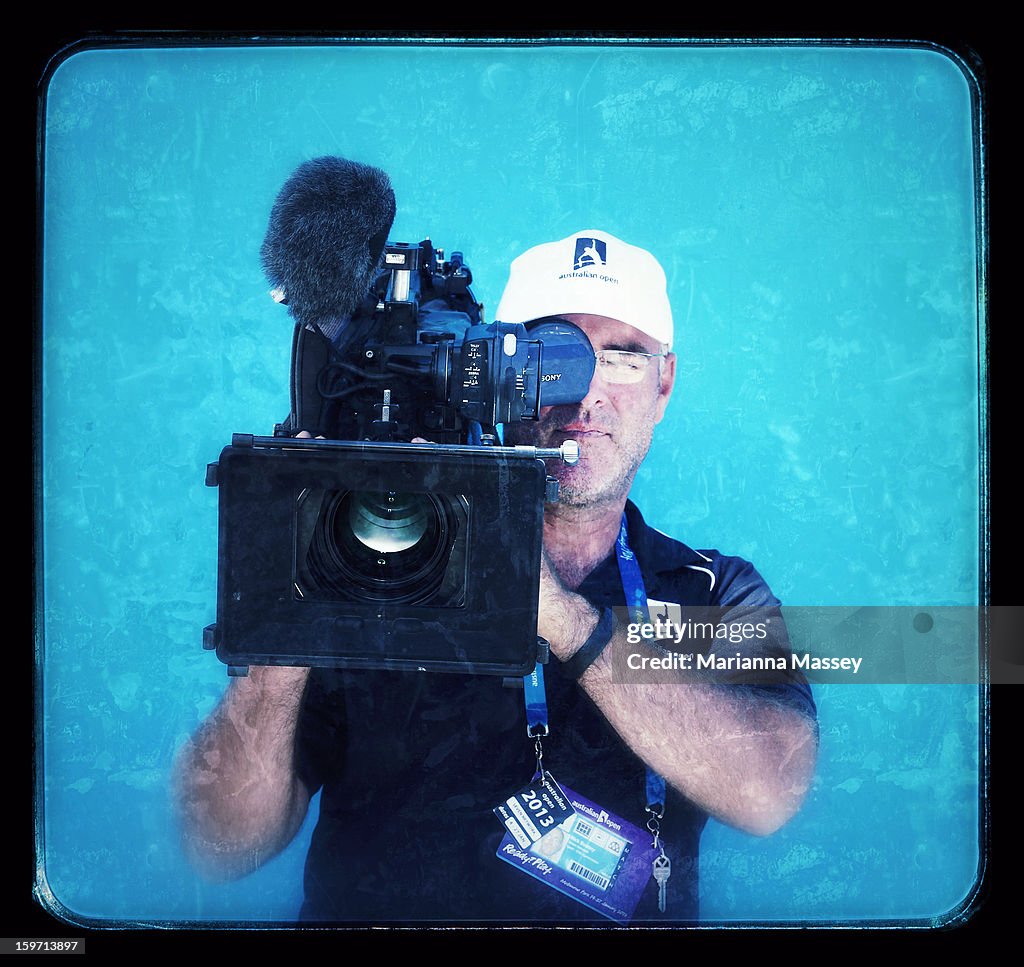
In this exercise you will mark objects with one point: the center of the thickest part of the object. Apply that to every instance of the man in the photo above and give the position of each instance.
(412, 765)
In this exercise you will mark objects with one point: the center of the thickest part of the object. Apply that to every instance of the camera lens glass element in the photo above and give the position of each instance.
(382, 546)
(388, 522)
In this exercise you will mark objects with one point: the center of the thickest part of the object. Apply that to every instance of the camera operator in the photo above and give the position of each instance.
(412, 765)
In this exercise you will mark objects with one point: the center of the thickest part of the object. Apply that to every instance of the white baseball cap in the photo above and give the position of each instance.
(589, 272)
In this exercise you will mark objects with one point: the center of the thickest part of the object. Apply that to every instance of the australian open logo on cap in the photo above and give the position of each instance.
(591, 253)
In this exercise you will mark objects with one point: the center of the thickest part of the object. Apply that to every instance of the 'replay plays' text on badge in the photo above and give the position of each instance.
(534, 810)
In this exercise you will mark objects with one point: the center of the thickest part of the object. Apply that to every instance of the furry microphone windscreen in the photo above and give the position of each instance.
(327, 230)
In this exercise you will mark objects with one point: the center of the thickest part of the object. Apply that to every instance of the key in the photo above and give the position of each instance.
(661, 869)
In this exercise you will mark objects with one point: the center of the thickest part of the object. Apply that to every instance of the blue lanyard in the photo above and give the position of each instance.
(636, 600)
(536, 702)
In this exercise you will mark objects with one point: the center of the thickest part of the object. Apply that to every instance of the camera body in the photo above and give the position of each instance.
(416, 360)
(365, 550)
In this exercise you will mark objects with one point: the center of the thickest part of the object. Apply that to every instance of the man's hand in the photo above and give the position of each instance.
(744, 759)
(565, 619)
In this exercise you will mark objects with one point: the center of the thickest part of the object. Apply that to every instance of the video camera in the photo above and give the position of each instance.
(356, 547)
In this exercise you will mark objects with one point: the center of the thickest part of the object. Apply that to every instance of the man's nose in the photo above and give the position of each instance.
(597, 392)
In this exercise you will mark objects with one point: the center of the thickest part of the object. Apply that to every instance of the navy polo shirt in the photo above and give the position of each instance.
(412, 764)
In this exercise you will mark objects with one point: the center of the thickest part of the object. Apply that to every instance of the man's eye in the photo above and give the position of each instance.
(620, 359)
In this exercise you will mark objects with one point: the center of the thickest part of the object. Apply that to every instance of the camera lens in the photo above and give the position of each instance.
(388, 522)
(382, 546)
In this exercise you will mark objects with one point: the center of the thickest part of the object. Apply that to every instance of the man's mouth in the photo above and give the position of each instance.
(585, 436)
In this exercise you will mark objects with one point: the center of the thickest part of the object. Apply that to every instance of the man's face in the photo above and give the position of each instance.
(613, 423)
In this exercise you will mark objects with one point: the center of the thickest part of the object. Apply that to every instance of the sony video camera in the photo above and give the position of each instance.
(354, 546)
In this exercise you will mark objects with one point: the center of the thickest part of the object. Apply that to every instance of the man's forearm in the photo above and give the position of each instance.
(237, 793)
(741, 756)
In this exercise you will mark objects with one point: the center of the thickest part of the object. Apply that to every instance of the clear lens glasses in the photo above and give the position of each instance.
(620, 366)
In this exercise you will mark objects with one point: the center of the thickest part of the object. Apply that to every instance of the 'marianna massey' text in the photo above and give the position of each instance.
(792, 662)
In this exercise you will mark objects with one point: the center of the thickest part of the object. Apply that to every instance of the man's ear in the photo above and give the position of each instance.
(666, 384)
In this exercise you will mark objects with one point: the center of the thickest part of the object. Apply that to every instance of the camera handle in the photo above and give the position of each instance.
(568, 452)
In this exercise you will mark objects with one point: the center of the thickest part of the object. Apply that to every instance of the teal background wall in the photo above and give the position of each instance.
(815, 211)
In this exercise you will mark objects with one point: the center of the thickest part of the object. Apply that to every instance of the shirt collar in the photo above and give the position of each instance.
(657, 551)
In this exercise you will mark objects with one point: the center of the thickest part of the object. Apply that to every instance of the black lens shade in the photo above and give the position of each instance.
(378, 555)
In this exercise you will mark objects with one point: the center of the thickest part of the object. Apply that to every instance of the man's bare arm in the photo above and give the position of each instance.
(742, 757)
(239, 799)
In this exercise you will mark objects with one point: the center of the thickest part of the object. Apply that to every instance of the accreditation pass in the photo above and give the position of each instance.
(535, 810)
(592, 856)
(586, 850)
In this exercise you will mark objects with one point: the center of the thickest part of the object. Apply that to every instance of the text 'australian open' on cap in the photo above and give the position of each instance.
(589, 272)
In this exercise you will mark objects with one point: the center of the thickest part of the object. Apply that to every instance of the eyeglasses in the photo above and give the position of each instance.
(622, 366)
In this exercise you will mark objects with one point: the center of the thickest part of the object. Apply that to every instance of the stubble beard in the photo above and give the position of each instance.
(597, 479)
